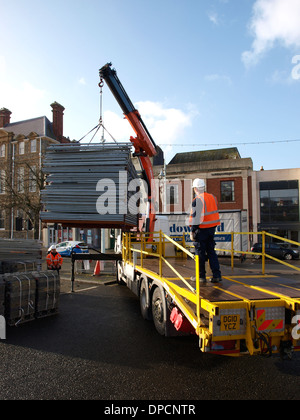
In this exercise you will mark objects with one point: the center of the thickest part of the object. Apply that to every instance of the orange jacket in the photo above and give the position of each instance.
(206, 214)
(54, 261)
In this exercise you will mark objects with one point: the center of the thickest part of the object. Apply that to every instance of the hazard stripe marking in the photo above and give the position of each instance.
(264, 324)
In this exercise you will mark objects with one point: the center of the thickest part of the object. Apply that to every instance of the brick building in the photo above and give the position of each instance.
(227, 176)
(22, 147)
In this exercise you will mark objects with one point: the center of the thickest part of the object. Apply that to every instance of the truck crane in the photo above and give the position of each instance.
(244, 315)
(144, 145)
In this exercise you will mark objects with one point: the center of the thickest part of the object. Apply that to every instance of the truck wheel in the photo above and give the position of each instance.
(144, 298)
(158, 311)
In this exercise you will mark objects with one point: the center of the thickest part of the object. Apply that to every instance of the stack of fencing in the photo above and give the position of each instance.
(2, 297)
(20, 255)
(87, 186)
(28, 296)
(47, 293)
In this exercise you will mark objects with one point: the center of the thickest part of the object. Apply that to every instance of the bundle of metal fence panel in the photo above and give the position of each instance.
(88, 185)
(29, 295)
(47, 293)
(20, 296)
(20, 255)
(2, 295)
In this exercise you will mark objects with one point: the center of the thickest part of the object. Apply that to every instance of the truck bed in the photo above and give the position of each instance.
(243, 314)
(236, 286)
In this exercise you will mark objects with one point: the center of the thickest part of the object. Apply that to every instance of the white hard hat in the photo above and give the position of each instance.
(52, 247)
(199, 183)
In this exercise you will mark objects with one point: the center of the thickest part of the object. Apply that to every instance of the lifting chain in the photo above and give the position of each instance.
(101, 84)
(100, 124)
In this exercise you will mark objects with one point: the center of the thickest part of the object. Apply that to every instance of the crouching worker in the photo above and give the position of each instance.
(54, 260)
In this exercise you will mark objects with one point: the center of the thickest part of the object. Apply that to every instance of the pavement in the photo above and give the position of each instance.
(100, 348)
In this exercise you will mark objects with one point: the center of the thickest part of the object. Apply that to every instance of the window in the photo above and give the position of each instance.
(21, 148)
(2, 181)
(20, 180)
(32, 179)
(19, 221)
(2, 151)
(279, 201)
(172, 194)
(227, 191)
(33, 146)
(2, 219)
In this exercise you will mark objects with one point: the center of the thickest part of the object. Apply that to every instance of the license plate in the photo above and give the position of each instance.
(230, 322)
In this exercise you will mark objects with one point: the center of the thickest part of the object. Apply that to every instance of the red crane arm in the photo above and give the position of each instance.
(144, 145)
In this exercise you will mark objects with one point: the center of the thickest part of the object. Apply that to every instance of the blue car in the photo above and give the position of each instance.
(65, 248)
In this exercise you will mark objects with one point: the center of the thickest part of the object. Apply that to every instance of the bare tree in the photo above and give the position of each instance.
(20, 188)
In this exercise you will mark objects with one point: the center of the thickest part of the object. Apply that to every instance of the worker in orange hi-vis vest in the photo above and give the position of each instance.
(54, 259)
(204, 219)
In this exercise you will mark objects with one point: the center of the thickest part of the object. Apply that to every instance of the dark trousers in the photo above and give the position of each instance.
(205, 248)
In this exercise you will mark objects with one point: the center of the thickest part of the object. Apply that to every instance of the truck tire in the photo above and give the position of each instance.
(158, 311)
(145, 301)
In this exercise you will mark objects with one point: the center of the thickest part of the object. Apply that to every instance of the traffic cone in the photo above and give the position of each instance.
(97, 269)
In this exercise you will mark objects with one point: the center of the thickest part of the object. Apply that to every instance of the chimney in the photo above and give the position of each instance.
(58, 120)
(4, 117)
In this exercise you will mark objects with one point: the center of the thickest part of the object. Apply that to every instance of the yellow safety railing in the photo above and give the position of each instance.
(139, 247)
(153, 245)
(159, 240)
(262, 254)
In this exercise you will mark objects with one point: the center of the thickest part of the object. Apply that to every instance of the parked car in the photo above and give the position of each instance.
(278, 251)
(65, 248)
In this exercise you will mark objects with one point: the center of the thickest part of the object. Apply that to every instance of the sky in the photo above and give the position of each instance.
(204, 74)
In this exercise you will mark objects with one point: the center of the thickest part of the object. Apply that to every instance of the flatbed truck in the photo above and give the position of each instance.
(255, 314)
(242, 315)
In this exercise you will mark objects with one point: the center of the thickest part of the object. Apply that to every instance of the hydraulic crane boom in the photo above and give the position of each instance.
(144, 145)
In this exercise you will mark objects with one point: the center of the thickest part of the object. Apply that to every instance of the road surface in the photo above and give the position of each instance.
(100, 348)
